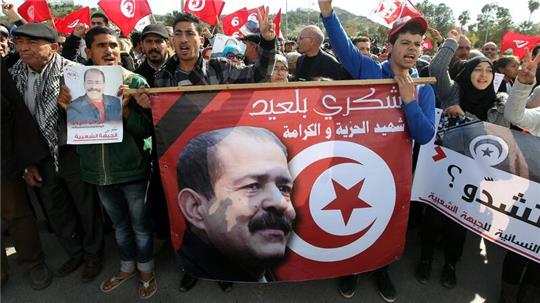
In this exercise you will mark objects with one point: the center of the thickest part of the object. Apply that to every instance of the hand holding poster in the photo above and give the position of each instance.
(284, 183)
(95, 113)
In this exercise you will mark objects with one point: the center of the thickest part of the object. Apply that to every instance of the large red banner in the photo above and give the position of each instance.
(344, 184)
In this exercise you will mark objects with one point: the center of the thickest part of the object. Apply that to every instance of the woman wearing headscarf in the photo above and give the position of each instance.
(471, 91)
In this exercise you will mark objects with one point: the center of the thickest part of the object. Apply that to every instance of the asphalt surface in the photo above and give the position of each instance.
(478, 276)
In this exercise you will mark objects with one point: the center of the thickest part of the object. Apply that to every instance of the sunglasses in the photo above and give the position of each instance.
(232, 56)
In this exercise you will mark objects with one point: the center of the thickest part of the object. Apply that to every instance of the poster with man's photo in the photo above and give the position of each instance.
(221, 42)
(286, 183)
(94, 115)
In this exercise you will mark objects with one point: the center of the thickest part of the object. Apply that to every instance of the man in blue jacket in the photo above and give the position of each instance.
(418, 102)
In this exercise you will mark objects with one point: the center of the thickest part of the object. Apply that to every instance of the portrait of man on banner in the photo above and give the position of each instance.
(235, 195)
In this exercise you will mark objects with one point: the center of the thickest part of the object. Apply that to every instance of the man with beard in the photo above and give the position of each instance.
(235, 194)
(155, 39)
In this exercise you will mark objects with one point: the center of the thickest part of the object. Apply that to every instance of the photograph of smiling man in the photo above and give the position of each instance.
(235, 195)
(94, 105)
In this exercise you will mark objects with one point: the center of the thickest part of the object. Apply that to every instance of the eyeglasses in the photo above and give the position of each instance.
(233, 56)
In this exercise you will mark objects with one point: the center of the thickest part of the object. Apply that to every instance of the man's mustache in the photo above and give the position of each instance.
(94, 90)
(271, 220)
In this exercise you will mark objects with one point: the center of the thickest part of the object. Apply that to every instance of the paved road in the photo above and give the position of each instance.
(478, 281)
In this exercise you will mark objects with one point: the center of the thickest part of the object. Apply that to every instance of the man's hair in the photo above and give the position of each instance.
(95, 31)
(135, 38)
(361, 39)
(100, 15)
(503, 61)
(187, 17)
(412, 28)
(94, 70)
(198, 167)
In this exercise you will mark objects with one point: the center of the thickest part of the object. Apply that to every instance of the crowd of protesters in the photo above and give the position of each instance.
(81, 198)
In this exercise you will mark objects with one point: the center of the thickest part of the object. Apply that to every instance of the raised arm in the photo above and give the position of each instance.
(446, 89)
(514, 110)
(358, 65)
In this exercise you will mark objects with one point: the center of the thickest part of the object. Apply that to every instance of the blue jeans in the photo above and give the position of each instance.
(126, 205)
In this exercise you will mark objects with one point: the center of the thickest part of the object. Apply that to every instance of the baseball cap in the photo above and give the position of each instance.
(404, 21)
(155, 29)
(37, 31)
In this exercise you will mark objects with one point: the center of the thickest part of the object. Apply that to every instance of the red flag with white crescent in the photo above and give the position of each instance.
(518, 43)
(35, 11)
(206, 10)
(234, 21)
(388, 11)
(67, 24)
(125, 13)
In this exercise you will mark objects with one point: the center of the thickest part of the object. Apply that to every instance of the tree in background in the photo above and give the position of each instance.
(492, 23)
(533, 5)
(463, 19)
(439, 16)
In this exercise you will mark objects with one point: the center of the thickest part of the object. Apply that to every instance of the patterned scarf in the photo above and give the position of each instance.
(47, 89)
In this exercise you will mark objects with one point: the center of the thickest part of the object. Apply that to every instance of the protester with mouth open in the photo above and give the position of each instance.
(406, 38)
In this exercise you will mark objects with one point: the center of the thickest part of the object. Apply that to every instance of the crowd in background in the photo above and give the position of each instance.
(82, 199)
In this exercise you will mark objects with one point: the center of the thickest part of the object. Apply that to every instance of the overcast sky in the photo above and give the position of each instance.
(518, 8)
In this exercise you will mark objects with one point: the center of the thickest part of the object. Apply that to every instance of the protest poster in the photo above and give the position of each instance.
(94, 115)
(486, 178)
(221, 41)
(342, 189)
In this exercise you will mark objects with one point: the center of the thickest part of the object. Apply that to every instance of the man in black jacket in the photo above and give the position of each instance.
(22, 145)
(154, 39)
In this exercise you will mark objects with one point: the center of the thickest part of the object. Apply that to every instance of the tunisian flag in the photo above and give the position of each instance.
(35, 11)
(67, 24)
(388, 11)
(233, 22)
(351, 174)
(125, 13)
(518, 42)
(206, 10)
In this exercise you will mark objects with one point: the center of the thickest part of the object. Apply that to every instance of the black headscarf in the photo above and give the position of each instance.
(472, 100)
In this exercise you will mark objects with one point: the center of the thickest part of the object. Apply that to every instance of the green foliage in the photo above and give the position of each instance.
(493, 22)
(439, 16)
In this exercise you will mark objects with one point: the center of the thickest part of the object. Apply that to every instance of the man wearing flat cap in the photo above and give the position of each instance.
(70, 203)
(252, 44)
(154, 39)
